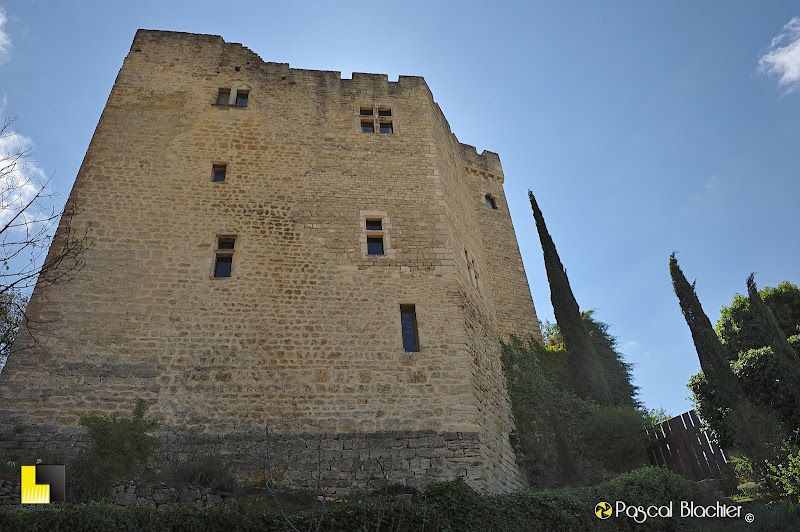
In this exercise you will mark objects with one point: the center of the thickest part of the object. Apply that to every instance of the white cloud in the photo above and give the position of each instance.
(784, 61)
(5, 40)
(631, 345)
(712, 183)
(20, 178)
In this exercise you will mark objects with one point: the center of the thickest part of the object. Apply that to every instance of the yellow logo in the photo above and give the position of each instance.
(602, 510)
(50, 487)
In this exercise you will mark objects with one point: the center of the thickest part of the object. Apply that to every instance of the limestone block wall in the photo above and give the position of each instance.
(304, 337)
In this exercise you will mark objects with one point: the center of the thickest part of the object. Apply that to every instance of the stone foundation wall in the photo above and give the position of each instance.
(343, 460)
(161, 496)
(336, 462)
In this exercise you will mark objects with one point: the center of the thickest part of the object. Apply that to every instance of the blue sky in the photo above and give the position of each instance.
(642, 128)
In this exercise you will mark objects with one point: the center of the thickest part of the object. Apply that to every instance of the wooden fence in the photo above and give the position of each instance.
(681, 446)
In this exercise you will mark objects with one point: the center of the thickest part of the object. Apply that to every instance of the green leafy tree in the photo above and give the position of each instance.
(740, 331)
(12, 311)
(655, 416)
(585, 366)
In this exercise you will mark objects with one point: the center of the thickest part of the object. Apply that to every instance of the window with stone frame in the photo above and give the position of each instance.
(376, 119)
(223, 256)
(375, 243)
(408, 325)
(218, 172)
(236, 96)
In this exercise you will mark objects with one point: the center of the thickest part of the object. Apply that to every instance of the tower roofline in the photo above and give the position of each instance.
(487, 161)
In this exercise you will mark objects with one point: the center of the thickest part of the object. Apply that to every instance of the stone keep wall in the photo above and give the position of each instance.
(305, 335)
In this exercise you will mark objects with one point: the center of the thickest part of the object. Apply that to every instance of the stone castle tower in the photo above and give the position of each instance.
(282, 258)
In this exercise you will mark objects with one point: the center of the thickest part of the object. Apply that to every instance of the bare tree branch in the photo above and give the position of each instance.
(39, 244)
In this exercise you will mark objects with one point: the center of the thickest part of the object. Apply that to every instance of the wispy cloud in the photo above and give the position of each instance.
(712, 183)
(631, 345)
(20, 177)
(783, 58)
(5, 40)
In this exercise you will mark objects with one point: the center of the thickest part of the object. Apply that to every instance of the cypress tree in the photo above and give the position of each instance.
(786, 362)
(712, 357)
(771, 331)
(755, 432)
(585, 367)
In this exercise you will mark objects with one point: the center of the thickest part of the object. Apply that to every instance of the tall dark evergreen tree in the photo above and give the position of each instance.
(786, 364)
(585, 367)
(755, 432)
(772, 332)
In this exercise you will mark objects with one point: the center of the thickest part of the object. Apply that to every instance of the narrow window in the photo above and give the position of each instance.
(223, 97)
(385, 112)
(223, 266)
(218, 173)
(408, 322)
(226, 243)
(374, 225)
(367, 127)
(241, 98)
(374, 245)
(490, 204)
(224, 256)
(386, 127)
(366, 111)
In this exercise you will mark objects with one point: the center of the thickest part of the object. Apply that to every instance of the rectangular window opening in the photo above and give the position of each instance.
(218, 173)
(408, 322)
(386, 127)
(226, 243)
(374, 245)
(223, 97)
(224, 257)
(384, 112)
(222, 267)
(374, 225)
(366, 111)
(241, 98)
(367, 127)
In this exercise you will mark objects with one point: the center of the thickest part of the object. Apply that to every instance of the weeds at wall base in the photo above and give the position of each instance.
(444, 506)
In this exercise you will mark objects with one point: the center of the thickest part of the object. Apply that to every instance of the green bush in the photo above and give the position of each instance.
(786, 475)
(118, 449)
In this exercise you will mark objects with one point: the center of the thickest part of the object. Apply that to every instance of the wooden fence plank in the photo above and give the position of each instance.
(693, 434)
(680, 445)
